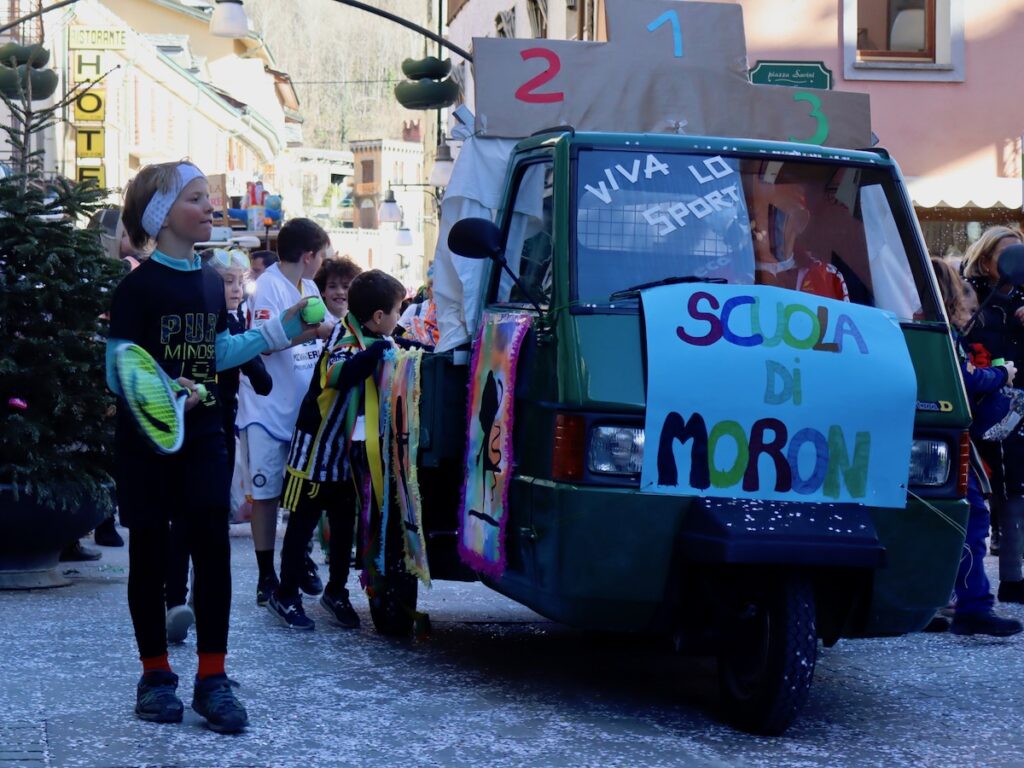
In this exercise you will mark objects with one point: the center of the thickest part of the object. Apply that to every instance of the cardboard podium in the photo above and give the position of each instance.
(669, 67)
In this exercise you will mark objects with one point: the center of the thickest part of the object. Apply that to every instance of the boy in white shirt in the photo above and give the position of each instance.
(266, 423)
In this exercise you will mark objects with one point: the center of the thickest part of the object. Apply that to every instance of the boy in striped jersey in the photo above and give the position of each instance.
(329, 438)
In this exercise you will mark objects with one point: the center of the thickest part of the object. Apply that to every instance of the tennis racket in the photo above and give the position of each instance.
(156, 401)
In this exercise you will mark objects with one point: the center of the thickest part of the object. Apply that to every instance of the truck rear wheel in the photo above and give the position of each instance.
(770, 647)
(393, 603)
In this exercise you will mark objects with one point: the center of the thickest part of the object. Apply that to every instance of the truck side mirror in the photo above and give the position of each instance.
(1011, 265)
(475, 239)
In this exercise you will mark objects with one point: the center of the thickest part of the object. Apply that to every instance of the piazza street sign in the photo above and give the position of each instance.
(799, 74)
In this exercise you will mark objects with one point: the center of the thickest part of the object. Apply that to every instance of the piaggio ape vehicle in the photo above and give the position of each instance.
(627, 461)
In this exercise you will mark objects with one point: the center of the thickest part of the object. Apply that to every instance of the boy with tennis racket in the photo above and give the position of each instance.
(172, 311)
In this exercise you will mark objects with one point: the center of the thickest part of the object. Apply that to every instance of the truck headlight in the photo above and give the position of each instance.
(929, 462)
(616, 450)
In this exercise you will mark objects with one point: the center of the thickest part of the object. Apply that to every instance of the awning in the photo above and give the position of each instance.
(965, 192)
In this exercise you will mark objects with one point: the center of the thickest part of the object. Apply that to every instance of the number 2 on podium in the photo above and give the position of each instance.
(525, 92)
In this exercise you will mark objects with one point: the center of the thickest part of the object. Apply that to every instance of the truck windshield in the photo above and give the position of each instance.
(829, 229)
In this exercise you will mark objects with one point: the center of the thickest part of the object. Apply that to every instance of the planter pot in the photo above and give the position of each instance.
(32, 536)
(427, 94)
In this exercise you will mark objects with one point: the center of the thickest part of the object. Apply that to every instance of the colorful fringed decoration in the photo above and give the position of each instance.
(404, 405)
(364, 492)
(489, 461)
(384, 426)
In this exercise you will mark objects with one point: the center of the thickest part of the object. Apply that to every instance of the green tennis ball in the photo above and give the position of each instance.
(314, 311)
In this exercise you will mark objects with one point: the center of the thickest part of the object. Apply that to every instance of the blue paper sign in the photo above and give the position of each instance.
(760, 392)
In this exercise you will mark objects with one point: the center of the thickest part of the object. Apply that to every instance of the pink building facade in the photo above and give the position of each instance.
(942, 78)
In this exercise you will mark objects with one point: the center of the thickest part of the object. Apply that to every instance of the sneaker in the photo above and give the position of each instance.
(156, 700)
(106, 534)
(289, 612)
(341, 610)
(937, 624)
(988, 623)
(214, 699)
(311, 583)
(179, 619)
(1011, 591)
(265, 588)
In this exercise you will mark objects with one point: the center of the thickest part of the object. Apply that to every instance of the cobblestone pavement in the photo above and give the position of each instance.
(494, 685)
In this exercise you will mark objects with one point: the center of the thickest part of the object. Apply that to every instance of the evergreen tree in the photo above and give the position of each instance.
(55, 284)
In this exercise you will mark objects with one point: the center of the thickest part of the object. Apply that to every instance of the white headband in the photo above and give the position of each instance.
(160, 204)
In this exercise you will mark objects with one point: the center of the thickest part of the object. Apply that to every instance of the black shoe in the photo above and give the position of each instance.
(1011, 591)
(289, 612)
(214, 699)
(988, 623)
(264, 588)
(937, 624)
(76, 553)
(106, 534)
(156, 700)
(311, 583)
(341, 610)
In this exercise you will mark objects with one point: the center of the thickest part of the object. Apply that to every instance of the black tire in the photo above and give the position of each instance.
(770, 647)
(392, 594)
(393, 604)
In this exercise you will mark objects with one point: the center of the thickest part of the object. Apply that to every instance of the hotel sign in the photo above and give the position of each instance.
(87, 48)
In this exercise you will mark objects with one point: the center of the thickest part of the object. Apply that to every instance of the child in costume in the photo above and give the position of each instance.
(265, 423)
(175, 310)
(328, 448)
(233, 266)
(974, 600)
(334, 278)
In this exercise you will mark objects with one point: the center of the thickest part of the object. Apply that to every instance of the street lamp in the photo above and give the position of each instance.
(369, 9)
(403, 237)
(441, 173)
(229, 19)
(389, 212)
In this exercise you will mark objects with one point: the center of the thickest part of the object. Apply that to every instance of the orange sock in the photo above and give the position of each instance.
(155, 664)
(210, 664)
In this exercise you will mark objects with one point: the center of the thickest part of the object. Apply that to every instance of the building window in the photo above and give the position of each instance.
(538, 10)
(920, 40)
(367, 171)
(896, 29)
(505, 23)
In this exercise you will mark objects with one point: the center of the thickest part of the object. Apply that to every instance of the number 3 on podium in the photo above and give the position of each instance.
(821, 133)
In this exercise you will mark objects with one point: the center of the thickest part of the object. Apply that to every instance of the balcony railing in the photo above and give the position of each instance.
(28, 32)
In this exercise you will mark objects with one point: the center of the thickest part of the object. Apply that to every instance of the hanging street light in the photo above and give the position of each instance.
(229, 19)
(389, 212)
(403, 237)
(441, 173)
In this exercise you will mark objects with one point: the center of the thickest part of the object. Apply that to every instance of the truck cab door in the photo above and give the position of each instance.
(527, 223)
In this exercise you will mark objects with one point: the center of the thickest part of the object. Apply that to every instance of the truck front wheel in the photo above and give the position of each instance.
(769, 649)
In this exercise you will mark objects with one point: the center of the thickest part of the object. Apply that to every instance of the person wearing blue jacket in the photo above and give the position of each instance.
(974, 613)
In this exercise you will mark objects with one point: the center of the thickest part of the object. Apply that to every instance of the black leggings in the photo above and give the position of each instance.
(191, 488)
(206, 535)
(305, 501)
